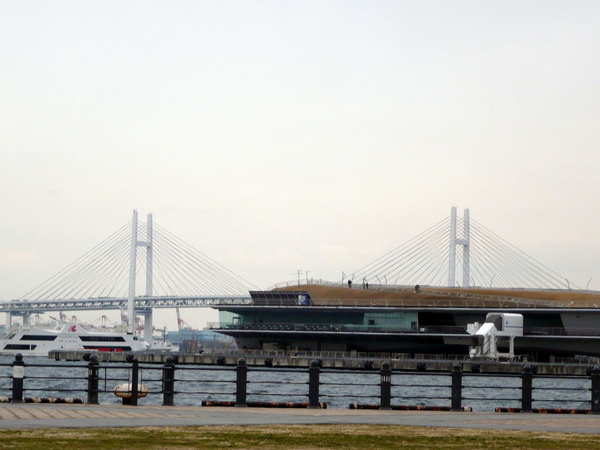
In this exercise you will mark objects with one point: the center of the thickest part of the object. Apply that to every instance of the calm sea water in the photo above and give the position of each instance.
(197, 383)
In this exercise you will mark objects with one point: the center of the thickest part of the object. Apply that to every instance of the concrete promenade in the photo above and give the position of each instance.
(28, 416)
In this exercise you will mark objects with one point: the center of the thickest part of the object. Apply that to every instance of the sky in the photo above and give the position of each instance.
(278, 136)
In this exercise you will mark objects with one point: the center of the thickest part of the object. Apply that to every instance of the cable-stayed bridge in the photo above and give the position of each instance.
(163, 263)
(459, 252)
(173, 274)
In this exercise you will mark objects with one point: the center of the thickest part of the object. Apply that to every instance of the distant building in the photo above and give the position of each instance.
(193, 341)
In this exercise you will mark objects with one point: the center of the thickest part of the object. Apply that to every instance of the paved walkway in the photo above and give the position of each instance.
(27, 415)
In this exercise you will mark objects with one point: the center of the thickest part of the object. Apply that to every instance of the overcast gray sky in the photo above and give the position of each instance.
(317, 135)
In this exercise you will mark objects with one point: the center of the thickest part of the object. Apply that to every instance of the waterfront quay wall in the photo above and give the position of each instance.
(294, 361)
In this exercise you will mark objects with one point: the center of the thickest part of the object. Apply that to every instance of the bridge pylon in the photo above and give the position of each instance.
(135, 243)
(466, 250)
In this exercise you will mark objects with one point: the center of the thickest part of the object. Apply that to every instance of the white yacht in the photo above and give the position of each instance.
(34, 341)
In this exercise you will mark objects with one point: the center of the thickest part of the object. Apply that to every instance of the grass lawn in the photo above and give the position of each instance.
(293, 436)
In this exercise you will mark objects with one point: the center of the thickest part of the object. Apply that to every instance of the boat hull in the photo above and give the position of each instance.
(32, 341)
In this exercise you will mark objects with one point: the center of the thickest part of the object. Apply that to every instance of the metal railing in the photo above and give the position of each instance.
(421, 329)
(241, 386)
(316, 327)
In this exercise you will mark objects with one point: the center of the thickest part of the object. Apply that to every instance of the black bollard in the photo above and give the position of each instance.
(457, 375)
(386, 386)
(313, 384)
(17, 378)
(169, 382)
(93, 379)
(135, 376)
(596, 390)
(241, 383)
(527, 389)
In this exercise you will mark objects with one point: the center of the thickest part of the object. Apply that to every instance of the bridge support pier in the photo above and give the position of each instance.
(148, 325)
(24, 314)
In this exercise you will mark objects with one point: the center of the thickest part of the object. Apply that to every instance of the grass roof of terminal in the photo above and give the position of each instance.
(445, 296)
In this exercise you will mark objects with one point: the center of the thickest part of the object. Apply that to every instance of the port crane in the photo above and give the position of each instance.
(182, 324)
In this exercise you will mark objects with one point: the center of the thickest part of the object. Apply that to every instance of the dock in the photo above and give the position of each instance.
(300, 361)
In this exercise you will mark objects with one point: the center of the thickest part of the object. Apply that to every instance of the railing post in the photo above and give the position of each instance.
(596, 390)
(17, 378)
(457, 375)
(169, 382)
(93, 380)
(135, 375)
(241, 383)
(386, 386)
(526, 388)
(313, 384)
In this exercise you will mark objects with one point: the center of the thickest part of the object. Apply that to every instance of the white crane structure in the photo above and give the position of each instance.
(496, 334)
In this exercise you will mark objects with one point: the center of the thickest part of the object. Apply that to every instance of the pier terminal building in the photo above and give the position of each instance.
(415, 320)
